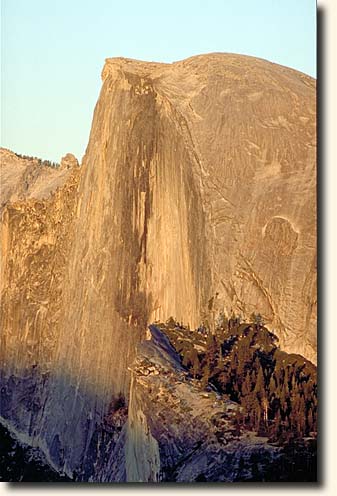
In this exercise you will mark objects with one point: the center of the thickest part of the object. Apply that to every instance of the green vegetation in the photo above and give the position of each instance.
(41, 163)
(117, 403)
(116, 415)
(277, 390)
(297, 463)
(19, 463)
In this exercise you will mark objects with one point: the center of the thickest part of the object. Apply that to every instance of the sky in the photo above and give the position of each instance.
(52, 54)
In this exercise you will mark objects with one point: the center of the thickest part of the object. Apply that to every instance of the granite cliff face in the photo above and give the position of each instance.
(196, 194)
(225, 179)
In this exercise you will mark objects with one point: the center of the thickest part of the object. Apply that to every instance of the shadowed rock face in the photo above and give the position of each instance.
(198, 182)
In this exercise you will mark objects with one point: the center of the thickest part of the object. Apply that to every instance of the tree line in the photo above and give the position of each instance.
(277, 391)
(42, 163)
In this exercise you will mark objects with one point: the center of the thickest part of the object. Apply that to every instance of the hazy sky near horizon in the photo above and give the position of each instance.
(53, 52)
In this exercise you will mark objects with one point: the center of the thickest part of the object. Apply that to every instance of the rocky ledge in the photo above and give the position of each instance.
(179, 431)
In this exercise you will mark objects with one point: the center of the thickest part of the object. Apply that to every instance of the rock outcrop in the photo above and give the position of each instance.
(176, 431)
(196, 194)
(180, 431)
(69, 161)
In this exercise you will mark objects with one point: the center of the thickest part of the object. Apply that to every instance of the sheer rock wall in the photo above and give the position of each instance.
(198, 184)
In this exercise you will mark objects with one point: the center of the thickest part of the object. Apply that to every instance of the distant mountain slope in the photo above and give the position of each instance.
(29, 177)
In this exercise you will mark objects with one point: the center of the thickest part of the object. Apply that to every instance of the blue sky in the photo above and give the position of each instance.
(53, 52)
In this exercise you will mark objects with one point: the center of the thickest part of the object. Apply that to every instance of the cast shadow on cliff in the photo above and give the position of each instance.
(84, 437)
(33, 413)
(148, 487)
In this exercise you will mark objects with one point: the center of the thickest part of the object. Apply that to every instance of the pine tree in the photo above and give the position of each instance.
(205, 375)
(195, 363)
(212, 352)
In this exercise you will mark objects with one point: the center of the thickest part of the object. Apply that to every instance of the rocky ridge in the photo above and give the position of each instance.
(29, 177)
